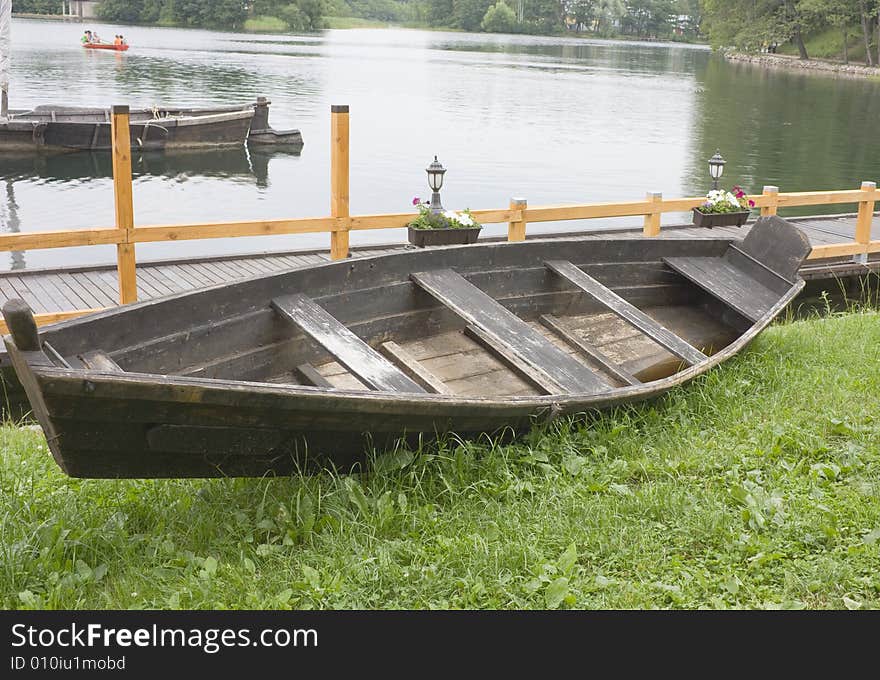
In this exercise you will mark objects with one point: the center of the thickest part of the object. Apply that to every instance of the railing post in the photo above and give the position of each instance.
(652, 219)
(516, 229)
(773, 200)
(863, 221)
(339, 160)
(126, 263)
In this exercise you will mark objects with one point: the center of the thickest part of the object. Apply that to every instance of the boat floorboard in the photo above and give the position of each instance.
(84, 287)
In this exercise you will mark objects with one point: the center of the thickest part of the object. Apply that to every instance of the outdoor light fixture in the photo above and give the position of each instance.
(435, 181)
(716, 168)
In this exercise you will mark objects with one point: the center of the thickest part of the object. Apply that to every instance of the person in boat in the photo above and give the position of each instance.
(86, 38)
(117, 39)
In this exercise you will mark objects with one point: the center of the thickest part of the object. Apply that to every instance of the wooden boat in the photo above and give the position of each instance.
(105, 46)
(52, 128)
(316, 366)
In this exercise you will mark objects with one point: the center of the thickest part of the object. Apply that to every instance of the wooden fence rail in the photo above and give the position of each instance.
(125, 235)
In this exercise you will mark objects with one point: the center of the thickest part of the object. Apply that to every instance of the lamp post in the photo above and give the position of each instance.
(716, 167)
(435, 181)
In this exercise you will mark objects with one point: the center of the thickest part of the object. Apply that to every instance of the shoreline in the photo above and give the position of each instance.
(778, 61)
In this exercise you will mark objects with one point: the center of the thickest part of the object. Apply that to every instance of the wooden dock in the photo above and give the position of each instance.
(60, 290)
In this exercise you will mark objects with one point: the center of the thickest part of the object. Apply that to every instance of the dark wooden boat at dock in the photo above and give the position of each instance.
(316, 366)
(50, 128)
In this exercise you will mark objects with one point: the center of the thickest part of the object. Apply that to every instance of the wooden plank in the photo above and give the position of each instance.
(339, 179)
(39, 240)
(632, 315)
(866, 212)
(124, 206)
(97, 292)
(149, 276)
(567, 334)
(98, 360)
(531, 374)
(516, 228)
(173, 274)
(651, 225)
(26, 294)
(347, 348)
(407, 363)
(36, 287)
(55, 287)
(509, 331)
(310, 376)
(75, 292)
(729, 284)
(7, 289)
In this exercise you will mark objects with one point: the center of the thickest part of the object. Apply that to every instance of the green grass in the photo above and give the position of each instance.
(356, 22)
(265, 24)
(757, 486)
(828, 44)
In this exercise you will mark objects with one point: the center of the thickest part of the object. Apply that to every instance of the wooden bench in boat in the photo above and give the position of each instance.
(512, 339)
(626, 311)
(347, 348)
(750, 279)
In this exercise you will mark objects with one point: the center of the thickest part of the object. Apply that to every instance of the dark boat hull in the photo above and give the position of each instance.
(194, 399)
(58, 129)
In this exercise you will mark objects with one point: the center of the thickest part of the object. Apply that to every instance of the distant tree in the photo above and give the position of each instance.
(121, 11)
(36, 6)
(499, 18)
(468, 14)
(440, 12)
(608, 15)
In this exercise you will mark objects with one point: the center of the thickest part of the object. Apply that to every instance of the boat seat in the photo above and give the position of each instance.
(512, 336)
(751, 278)
(723, 280)
(626, 311)
(348, 349)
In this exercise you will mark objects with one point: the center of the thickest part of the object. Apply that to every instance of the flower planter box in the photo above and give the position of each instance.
(731, 219)
(442, 237)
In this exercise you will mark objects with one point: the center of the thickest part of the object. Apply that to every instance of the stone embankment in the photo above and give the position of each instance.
(793, 63)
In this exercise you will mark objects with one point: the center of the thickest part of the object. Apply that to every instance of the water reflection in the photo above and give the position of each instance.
(10, 224)
(819, 134)
(245, 162)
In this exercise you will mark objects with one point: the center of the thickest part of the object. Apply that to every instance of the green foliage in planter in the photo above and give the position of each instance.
(445, 220)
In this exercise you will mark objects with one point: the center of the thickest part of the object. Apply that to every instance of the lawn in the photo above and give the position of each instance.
(756, 486)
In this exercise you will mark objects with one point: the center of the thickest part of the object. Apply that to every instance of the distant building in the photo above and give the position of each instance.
(84, 9)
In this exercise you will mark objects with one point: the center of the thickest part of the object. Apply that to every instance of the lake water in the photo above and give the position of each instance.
(554, 120)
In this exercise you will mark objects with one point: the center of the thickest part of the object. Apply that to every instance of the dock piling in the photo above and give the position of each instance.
(122, 193)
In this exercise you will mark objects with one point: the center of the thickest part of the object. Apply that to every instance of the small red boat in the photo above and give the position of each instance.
(105, 46)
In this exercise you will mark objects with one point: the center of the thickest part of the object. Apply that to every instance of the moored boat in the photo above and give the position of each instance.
(317, 366)
(53, 128)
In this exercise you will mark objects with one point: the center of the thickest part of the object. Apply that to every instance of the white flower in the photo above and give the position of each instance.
(733, 200)
(466, 220)
(450, 215)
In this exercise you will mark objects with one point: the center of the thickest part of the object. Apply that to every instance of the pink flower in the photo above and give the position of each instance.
(751, 203)
(416, 200)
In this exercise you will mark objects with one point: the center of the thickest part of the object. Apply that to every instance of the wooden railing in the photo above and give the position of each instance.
(125, 235)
